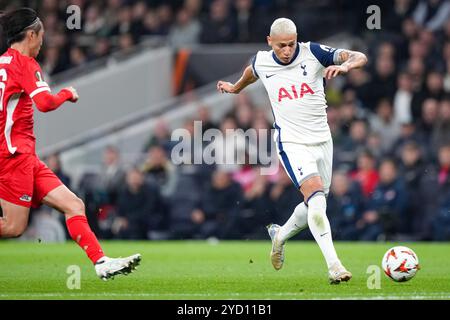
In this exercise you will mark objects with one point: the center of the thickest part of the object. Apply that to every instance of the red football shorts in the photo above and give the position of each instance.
(25, 180)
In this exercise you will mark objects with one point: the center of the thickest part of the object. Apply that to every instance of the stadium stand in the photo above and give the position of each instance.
(390, 122)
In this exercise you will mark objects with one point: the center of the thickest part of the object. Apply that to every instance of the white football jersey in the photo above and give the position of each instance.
(297, 91)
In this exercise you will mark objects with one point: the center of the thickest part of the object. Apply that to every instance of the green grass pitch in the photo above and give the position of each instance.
(225, 270)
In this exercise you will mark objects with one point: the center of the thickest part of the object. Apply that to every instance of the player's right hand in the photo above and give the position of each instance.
(74, 94)
(225, 87)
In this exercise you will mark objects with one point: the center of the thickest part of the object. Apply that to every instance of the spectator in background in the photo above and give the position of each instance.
(402, 9)
(160, 137)
(243, 111)
(375, 145)
(250, 21)
(126, 43)
(186, 30)
(53, 62)
(77, 57)
(258, 209)
(441, 222)
(139, 208)
(151, 25)
(348, 113)
(416, 70)
(54, 29)
(359, 82)
(204, 116)
(412, 168)
(219, 26)
(159, 170)
(383, 81)
(434, 89)
(111, 13)
(245, 175)
(138, 12)
(102, 49)
(386, 50)
(432, 14)
(435, 85)
(230, 147)
(388, 203)
(192, 182)
(408, 133)
(441, 132)
(165, 15)
(219, 210)
(383, 122)
(124, 22)
(446, 63)
(430, 111)
(366, 174)
(265, 142)
(347, 150)
(45, 226)
(94, 22)
(345, 205)
(285, 198)
(54, 163)
(417, 50)
(112, 175)
(403, 98)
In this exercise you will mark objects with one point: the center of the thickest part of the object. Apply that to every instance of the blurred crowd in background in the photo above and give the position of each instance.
(390, 123)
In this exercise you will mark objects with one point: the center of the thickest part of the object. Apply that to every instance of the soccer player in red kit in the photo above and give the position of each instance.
(25, 181)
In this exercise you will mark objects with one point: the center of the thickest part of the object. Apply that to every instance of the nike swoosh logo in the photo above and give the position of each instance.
(268, 76)
(324, 234)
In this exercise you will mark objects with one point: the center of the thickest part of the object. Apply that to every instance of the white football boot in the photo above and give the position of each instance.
(337, 273)
(277, 252)
(106, 268)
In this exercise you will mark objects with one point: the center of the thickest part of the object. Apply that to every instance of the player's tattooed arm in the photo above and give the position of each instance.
(246, 79)
(346, 61)
(352, 59)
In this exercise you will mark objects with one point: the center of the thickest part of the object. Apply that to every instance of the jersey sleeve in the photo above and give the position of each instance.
(32, 80)
(253, 64)
(327, 56)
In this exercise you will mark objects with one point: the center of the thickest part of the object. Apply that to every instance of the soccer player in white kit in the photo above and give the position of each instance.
(294, 74)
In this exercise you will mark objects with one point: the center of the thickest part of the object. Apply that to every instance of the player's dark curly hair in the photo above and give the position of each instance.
(15, 23)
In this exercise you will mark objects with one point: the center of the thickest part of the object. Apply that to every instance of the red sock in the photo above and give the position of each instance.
(82, 234)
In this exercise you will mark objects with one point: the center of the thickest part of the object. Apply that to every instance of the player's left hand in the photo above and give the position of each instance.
(333, 71)
(74, 94)
(225, 87)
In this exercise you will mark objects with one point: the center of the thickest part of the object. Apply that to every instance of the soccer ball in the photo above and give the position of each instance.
(400, 264)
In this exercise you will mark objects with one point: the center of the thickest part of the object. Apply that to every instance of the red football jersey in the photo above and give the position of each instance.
(20, 80)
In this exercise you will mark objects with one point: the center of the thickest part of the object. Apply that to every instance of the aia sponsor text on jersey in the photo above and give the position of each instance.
(294, 92)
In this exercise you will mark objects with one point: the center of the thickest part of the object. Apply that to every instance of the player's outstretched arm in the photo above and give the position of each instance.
(246, 79)
(347, 61)
(46, 102)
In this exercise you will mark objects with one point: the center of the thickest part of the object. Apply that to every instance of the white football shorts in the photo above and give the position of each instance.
(303, 161)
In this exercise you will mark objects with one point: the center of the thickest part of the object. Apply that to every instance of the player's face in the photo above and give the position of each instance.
(36, 41)
(283, 45)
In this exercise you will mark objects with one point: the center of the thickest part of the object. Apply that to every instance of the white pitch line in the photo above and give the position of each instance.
(436, 295)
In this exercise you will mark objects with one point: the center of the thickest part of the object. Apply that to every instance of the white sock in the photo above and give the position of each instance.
(320, 227)
(296, 223)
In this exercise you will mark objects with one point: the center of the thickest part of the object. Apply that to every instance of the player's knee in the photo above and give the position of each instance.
(312, 192)
(311, 186)
(76, 207)
(16, 231)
